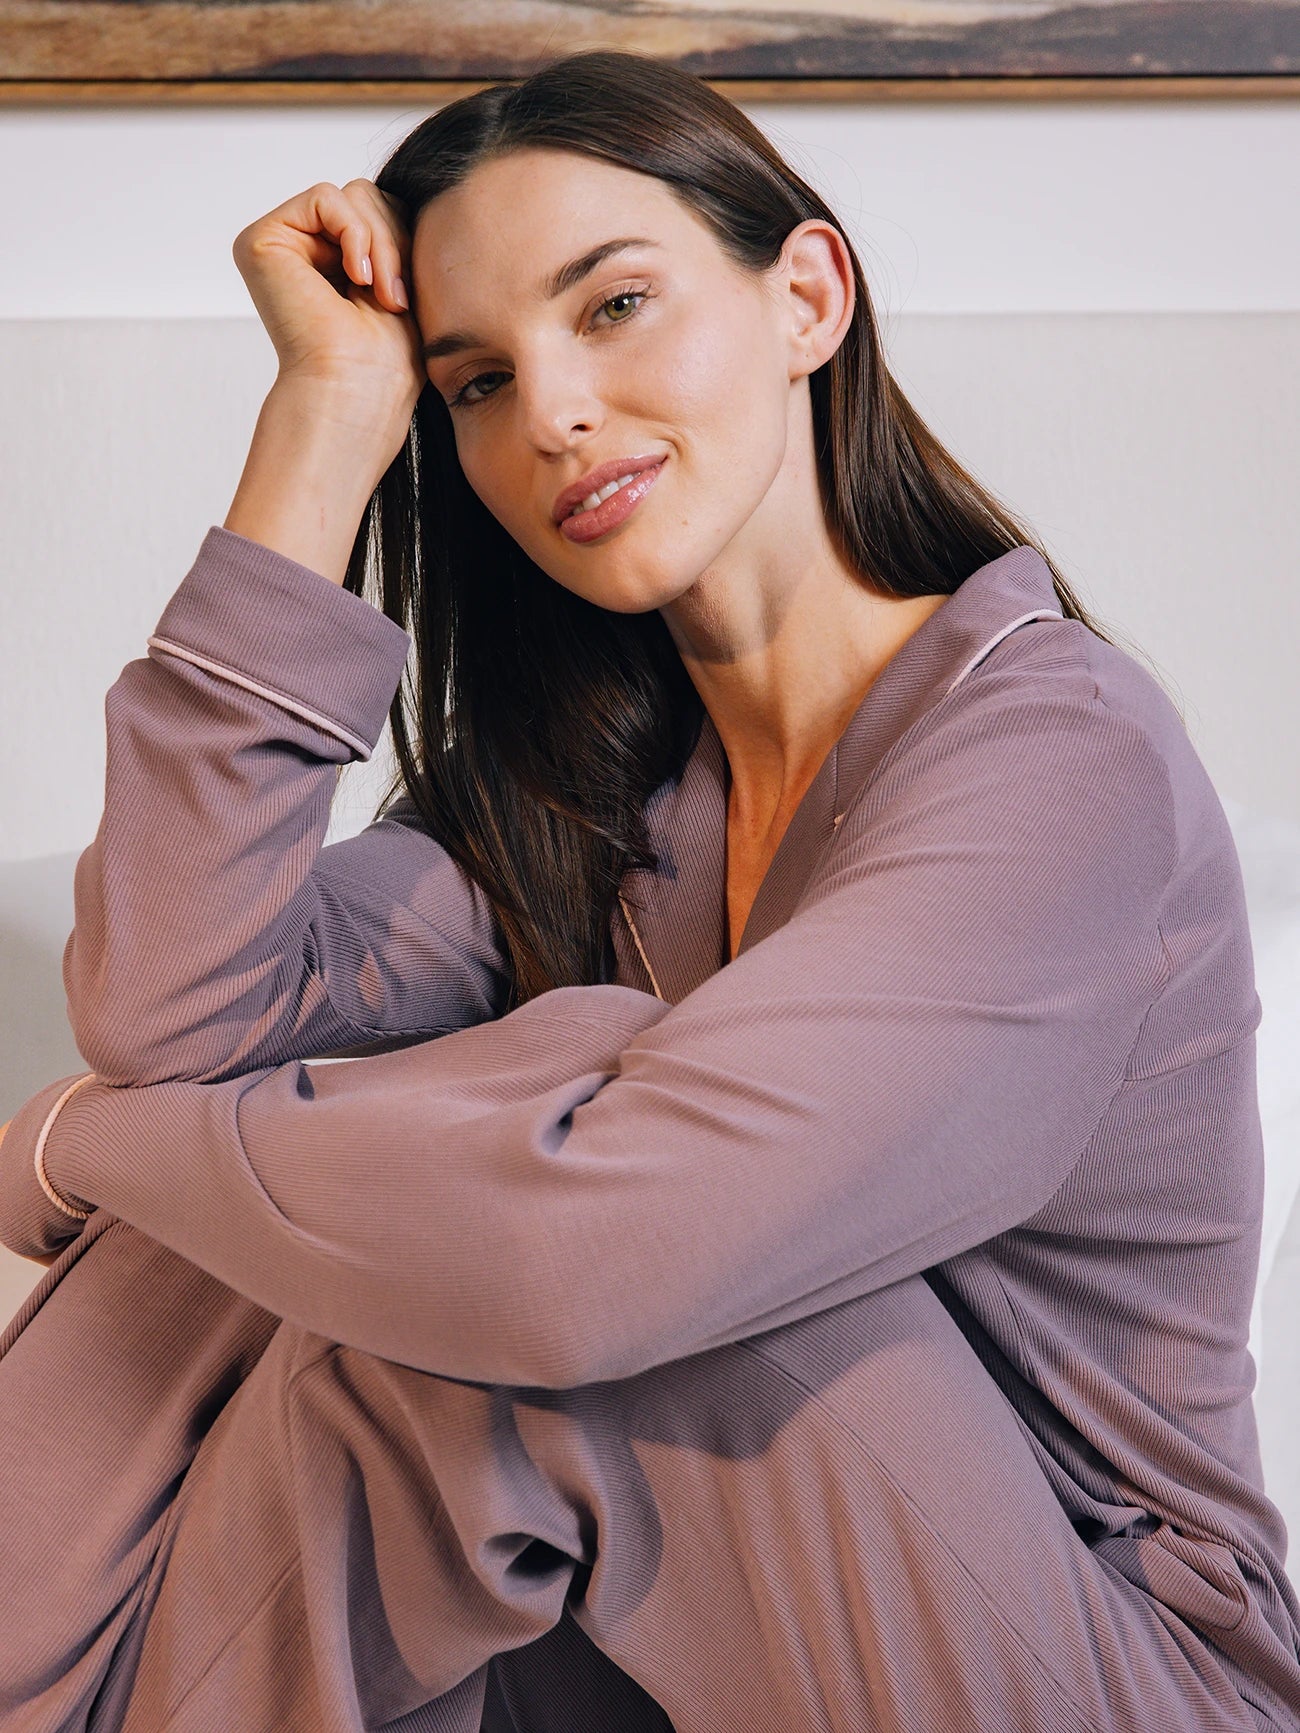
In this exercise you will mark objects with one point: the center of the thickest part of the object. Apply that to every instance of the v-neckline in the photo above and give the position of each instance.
(675, 927)
(689, 822)
(754, 884)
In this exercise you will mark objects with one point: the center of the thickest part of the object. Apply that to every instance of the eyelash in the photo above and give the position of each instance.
(460, 401)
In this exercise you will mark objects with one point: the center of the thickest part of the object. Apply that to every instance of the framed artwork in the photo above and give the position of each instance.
(411, 51)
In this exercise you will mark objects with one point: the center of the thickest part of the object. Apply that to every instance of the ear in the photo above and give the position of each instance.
(814, 278)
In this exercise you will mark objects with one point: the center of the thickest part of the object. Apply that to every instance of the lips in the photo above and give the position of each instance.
(614, 470)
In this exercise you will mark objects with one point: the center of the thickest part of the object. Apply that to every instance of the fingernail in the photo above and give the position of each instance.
(399, 293)
(366, 272)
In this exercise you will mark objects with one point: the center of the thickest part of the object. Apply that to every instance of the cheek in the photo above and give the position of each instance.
(713, 369)
(486, 468)
(729, 384)
(726, 386)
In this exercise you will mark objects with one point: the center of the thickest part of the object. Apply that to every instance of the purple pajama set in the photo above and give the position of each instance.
(847, 1338)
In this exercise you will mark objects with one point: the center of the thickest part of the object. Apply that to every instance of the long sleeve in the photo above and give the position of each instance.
(598, 1182)
(213, 933)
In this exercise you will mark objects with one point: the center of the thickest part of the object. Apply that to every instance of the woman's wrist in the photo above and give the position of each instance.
(309, 475)
(31, 1223)
(72, 1207)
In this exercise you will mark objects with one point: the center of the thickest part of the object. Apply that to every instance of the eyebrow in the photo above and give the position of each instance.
(558, 283)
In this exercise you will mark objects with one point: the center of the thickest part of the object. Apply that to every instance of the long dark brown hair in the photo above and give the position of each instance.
(537, 723)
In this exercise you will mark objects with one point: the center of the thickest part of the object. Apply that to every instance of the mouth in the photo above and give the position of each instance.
(601, 482)
(615, 504)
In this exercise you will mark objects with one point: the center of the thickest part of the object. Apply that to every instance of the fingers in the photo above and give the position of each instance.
(390, 241)
(330, 210)
(366, 226)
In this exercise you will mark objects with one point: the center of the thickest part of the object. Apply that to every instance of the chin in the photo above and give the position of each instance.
(635, 594)
(622, 586)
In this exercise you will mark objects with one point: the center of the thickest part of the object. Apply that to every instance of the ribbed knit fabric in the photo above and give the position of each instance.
(992, 1021)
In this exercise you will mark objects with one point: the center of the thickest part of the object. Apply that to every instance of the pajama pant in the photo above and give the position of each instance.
(215, 1521)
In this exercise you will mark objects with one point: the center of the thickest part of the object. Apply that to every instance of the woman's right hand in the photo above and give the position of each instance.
(304, 267)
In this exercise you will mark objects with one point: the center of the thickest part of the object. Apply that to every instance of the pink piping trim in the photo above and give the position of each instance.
(307, 714)
(636, 940)
(46, 1187)
(1038, 614)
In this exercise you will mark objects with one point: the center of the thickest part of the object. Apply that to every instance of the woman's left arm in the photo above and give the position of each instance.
(598, 1182)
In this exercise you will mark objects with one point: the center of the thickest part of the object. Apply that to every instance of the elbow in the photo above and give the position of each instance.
(131, 1044)
(126, 1039)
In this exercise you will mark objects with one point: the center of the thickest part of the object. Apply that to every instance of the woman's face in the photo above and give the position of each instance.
(664, 352)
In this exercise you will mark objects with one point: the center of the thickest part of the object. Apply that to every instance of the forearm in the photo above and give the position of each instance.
(397, 1203)
(309, 475)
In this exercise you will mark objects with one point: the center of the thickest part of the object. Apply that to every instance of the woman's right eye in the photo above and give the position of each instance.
(468, 402)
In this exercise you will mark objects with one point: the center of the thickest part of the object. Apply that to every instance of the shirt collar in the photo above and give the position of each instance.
(673, 929)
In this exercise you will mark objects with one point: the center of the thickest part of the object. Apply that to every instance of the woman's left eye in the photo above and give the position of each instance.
(622, 295)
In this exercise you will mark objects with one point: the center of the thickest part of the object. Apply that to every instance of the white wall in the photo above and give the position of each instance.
(1072, 206)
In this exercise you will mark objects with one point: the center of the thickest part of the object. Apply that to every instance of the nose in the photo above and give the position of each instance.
(557, 403)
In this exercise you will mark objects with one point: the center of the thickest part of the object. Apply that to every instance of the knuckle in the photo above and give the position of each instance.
(390, 209)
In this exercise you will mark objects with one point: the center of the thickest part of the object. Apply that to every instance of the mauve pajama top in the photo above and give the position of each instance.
(993, 1017)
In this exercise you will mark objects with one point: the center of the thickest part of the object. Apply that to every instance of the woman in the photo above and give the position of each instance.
(807, 1283)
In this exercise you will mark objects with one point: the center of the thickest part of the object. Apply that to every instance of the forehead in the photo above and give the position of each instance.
(516, 219)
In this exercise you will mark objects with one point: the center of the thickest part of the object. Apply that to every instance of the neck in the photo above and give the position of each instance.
(780, 698)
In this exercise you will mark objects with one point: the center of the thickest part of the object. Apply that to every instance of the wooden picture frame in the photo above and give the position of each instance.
(428, 51)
